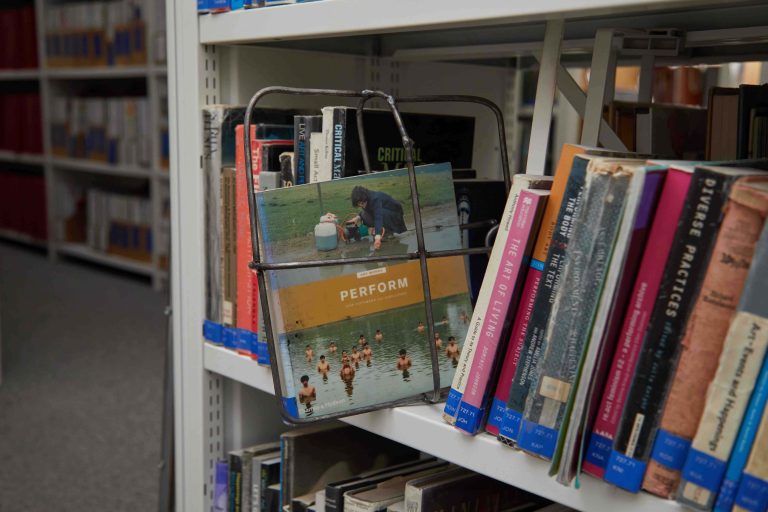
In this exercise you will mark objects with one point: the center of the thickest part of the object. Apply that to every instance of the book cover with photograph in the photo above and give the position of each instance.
(353, 336)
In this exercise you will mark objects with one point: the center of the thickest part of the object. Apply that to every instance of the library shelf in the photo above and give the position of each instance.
(422, 427)
(102, 72)
(353, 17)
(8, 75)
(84, 252)
(96, 167)
(21, 158)
(22, 238)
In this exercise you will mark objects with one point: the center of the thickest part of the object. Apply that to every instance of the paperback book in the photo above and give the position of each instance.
(353, 336)
(738, 373)
(724, 279)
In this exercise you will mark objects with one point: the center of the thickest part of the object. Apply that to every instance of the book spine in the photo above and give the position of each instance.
(324, 172)
(220, 497)
(737, 382)
(245, 290)
(636, 319)
(300, 141)
(229, 249)
(315, 151)
(235, 483)
(752, 495)
(630, 240)
(522, 228)
(572, 313)
(338, 147)
(256, 483)
(212, 125)
(503, 422)
(549, 281)
(694, 239)
(741, 448)
(707, 327)
(467, 355)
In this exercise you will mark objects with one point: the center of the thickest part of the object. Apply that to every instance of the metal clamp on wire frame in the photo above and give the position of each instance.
(421, 253)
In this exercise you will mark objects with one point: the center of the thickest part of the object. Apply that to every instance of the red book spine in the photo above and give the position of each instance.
(245, 281)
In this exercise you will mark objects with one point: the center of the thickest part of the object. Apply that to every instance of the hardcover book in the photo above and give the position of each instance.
(520, 182)
(353, 336)
(508, 277)
(737, 375)
(695, 236)
(572, 313)
(303, 126)
(636, 319)
(724, 279)
(629, 242)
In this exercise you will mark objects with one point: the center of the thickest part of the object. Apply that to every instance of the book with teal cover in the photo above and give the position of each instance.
(351, 337)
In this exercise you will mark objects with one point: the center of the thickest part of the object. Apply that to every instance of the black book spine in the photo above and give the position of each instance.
(337, 142)
(235, 483)
(334, 499)
(550, 280)
(695, 236)
(300, 140)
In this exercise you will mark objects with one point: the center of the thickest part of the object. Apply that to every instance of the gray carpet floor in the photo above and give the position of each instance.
(81, 392)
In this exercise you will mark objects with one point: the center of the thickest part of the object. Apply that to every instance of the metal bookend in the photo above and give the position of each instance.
(421, 254)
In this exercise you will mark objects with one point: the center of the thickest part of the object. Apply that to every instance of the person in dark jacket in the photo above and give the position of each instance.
(380, 211)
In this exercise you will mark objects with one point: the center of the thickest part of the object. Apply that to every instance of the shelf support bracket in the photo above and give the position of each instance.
(545, 97)
(578, 100)
(601, 85)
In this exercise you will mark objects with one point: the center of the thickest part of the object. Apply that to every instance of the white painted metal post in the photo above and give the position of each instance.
(545, 97)
(601, 77)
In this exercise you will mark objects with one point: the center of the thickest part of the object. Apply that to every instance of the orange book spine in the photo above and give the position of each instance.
(707, 326)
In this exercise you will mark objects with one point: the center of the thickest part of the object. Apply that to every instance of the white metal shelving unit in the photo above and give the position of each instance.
(224, 401)
(53, 166)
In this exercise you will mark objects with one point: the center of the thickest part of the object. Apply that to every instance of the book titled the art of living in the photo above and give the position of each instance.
(353, 336)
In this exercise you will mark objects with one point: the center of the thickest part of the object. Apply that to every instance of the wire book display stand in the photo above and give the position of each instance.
(420, 254)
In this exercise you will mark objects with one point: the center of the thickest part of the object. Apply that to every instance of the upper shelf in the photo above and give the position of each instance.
(423, 428)
(347, 25)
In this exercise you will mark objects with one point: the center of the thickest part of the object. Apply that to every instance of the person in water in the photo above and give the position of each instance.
(403, 362)
(361, 340)
(438, 341)
(355, 356)
(347, 373)
(379, 336)
(323, 366)
(380, 211)
(307, 393)
(344, 357)
(452, 350)
(332, 346)
(309, 353)
(367, 352)
(420, 327)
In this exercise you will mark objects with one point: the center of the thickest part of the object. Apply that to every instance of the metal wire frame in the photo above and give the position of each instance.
(421, 254)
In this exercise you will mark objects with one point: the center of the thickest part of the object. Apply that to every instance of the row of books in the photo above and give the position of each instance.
(630, 345)
(282, 156)
(119, 224)
(216, 6)
(112, 130)
(19, 38)
(22, 203)
(21, 129)
(335, 467)
(102, 33)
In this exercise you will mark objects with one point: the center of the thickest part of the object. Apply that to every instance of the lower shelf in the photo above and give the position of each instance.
(423, 428)
(23, 238)
(86, 253)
